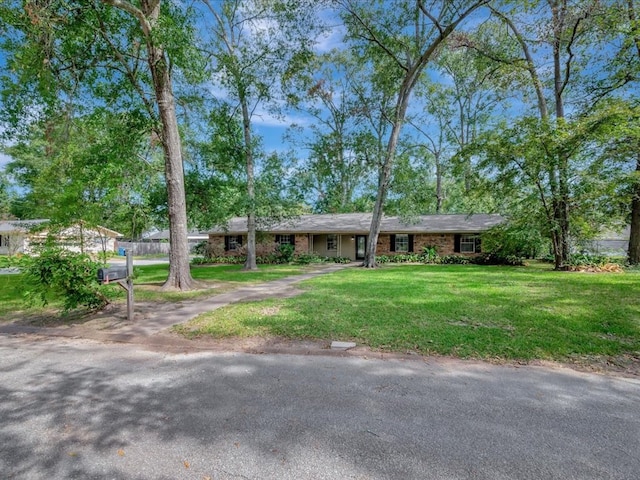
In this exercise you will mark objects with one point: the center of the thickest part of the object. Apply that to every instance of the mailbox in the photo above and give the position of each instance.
(111, 274)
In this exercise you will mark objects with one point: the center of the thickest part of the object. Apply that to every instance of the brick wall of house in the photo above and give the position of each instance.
(444, 243)
(383, 247)
(216, 245)
(302, 244)
(266, 245)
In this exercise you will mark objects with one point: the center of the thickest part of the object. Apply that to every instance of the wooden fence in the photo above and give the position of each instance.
(145, 248)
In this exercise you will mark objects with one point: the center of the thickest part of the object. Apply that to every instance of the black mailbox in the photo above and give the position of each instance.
(111, 274)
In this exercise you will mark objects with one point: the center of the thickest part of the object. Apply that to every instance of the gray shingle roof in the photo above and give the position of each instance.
(19, 225)
(360, 223)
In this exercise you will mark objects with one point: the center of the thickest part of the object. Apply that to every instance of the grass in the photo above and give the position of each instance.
(149, 279)
(11, 299)
(212, 279)
(462, 310)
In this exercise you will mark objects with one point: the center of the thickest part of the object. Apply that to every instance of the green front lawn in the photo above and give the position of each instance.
(463, 310)
(148, 280)
(212, 279)
(11, 298)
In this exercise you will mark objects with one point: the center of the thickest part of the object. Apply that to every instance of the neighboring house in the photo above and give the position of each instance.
(20, 236)
(345, 235)
(614, 243)
(15, 236)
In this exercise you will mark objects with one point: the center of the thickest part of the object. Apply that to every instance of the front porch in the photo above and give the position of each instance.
(349, 246)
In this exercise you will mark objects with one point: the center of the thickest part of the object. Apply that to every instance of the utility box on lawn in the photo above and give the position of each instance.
(112, 274)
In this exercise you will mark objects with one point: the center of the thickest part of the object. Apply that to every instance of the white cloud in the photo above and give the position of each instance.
(333, 39)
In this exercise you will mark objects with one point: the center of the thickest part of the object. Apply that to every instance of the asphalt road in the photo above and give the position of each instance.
(85, 410)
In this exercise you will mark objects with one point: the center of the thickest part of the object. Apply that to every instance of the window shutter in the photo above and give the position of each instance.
(293, 240)
(278, 239)
(456, 243)
(226, 243)
(239, 240)
(392, 243)
(478, 244)
(410, 243)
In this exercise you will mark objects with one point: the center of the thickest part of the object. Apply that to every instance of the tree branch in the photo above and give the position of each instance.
(136, 12)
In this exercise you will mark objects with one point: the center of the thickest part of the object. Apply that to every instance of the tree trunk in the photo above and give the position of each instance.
(383, 180)
(250, 263)
(439, 194)
(179, 272)
(561, 200)
(148, 14)
(413, 70)
(634, 237)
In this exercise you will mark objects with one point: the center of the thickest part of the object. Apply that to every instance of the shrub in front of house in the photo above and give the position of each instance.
(454, 260)
(285, 253)
(497, 259)
(71, 276)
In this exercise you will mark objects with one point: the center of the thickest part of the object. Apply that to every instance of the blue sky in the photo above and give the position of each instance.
(4, 159)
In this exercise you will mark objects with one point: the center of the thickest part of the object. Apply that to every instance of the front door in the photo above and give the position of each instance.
(361, 246)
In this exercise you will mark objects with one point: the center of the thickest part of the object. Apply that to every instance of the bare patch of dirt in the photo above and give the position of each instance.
(269, 311)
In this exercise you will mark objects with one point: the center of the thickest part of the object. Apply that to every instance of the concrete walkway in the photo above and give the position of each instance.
(152, 319)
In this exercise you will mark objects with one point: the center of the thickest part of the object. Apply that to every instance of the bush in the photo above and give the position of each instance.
(309, 258)
(429, 254)
(70, 276)
(14, 261)
(285, 253)
(587, 260)
(495, 259)
(454, 260)
(514, 239)
(201, 248)
(339, 259)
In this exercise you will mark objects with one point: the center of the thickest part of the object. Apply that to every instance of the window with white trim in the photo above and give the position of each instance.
(468, 243)
(233, 242)
(402, 242)
(332, 242)
(284, 239)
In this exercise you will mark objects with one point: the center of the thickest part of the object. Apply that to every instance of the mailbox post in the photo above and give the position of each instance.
(129, 284)
(123, 276)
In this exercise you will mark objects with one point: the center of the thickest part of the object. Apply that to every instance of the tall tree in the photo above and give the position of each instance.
(148, 16)
(561, 37)
(253, 42)
(115, 53)
(339, 164)
(630, 71)
(400, 38)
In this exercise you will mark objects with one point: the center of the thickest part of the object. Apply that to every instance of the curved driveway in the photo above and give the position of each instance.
(81, 409)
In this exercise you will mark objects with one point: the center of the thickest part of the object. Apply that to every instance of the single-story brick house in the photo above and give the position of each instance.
(345, 235)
